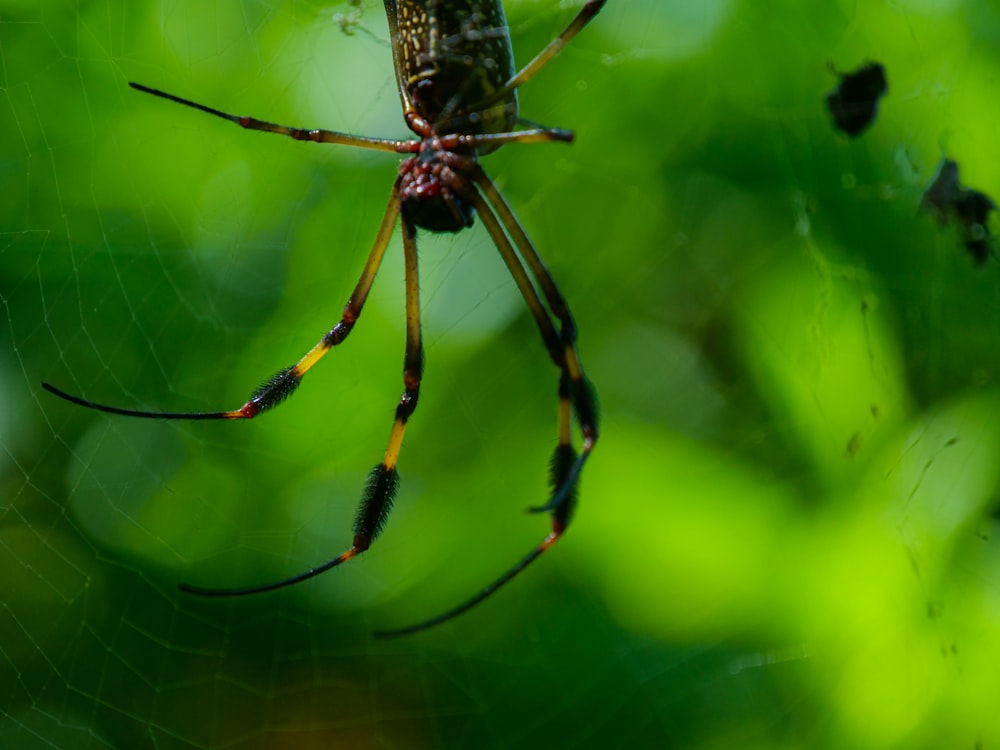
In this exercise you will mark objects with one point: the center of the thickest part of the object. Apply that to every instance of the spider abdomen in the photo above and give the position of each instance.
(451, 55)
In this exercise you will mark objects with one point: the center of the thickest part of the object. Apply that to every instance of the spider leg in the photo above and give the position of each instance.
(492, 141)
(383, 481)
(282, 384)
(566, 464)
(575, 392)
(470, 603)
(376, 502)
(590, 9)
(373, 512)
(299, 134)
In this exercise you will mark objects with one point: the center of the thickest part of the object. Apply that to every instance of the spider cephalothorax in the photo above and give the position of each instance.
(432, 190)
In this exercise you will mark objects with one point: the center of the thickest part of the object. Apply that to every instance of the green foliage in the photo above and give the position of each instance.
(786, 537)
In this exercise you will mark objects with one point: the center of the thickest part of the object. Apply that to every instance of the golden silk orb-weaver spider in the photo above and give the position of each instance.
(458, 85)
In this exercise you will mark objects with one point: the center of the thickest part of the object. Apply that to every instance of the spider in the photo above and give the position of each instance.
(457, 82)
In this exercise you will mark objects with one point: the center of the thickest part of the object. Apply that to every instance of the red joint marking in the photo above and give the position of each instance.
(558, 527)
(361, 543)
(249, 410)
(411, 375)
(418, 124)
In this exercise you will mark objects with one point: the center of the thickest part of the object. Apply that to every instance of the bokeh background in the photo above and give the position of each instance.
(786, 538)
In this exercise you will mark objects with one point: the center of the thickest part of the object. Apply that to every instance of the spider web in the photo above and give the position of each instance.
(787, 535)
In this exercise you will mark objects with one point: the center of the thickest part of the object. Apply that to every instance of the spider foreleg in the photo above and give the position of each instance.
(299, 134)
(590, 9)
